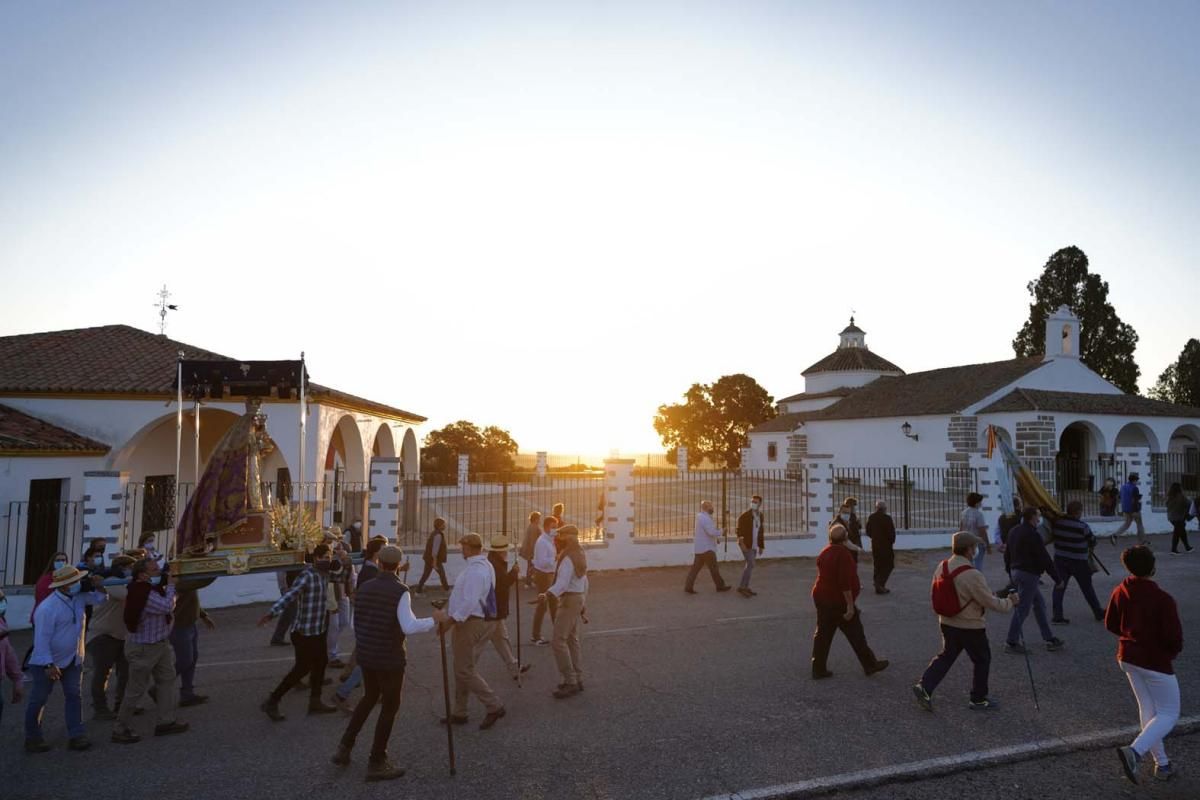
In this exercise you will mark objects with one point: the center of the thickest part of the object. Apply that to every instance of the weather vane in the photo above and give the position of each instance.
(163, 307)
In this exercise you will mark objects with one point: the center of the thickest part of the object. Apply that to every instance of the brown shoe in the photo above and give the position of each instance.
(341, 756)
(271, 709)
(491, 718)
(383, 771)
(565, 691)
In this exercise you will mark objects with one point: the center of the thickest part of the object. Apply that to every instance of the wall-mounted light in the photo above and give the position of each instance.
(907, 429)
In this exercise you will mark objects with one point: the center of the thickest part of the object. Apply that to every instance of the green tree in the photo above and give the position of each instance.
(490, 449)
(1106, 344)
(713, 420)
(1180, 382)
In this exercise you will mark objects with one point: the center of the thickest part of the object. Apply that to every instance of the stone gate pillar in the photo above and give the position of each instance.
(383, 508)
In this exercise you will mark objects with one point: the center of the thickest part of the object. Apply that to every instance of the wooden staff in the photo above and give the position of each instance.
(446, 689)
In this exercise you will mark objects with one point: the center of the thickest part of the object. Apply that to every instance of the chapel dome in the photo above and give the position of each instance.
(853, 355)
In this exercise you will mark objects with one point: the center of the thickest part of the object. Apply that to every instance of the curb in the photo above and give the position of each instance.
(946, 765)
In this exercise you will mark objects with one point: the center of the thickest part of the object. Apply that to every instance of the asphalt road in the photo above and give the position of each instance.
(687, 697)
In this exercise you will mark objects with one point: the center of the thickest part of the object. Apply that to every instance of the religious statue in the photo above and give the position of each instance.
(227, 508)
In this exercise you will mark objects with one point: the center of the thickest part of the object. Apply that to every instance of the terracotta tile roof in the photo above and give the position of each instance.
(783, 423)
(839, 392)
(852, 359)
(23, 433)
(1082, 403)
(939, 391)
(120, 359)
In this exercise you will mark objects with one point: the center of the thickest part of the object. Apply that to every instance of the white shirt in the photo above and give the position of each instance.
(408, 623)
(471, 588)
(565, 579)
(707, 533)
(544, 553)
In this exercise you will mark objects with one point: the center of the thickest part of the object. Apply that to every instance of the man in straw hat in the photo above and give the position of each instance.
(472, 603)
(965, 630)
(834, 593)
(58, 652)
(570, 587)
(383, 618)
(498, 548)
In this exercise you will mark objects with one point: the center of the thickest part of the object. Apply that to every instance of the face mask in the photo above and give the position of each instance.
(357, 526)
(59, 564)
(150, 544)
(98, 561)
(754, 506)
(74, 588)
(156, 580)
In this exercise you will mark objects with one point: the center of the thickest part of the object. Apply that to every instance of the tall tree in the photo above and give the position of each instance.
(1180, 382)
(714, 419)
(1106, 344)
(490, 449)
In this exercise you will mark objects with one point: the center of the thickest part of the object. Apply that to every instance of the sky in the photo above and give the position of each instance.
(554, 217)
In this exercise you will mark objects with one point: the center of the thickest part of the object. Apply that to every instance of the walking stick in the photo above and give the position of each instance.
(1099, 563)
(439, 604)
(518, 587)
(1029, 669)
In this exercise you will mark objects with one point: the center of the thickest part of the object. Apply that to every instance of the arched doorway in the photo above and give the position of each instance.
(1181, 463)
(345, 487)
(1077, 464)
(383, 446)
(410, 455)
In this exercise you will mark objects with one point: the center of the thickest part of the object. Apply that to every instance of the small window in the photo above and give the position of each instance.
(772, 451)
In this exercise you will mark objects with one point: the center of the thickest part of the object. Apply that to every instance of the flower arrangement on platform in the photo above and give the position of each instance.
(294, 528)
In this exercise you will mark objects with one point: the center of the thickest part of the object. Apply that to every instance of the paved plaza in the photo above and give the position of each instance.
(687, 697)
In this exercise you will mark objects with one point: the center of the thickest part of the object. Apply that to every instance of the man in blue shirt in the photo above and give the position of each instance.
(59, 623)
(1131, 507)
(1029, 559)
(1073, 540)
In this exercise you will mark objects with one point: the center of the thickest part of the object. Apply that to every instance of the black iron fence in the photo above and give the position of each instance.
(149, 507)
(666, 502)
(918, 498)
(33, 532)
(1093, 483)
(1170, 468)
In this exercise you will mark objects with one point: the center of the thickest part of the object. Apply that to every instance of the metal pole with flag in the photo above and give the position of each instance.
(178, 447)
(303, 417)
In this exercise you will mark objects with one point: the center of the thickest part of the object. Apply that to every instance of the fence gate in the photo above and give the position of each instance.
(918, 498)
(666, 501)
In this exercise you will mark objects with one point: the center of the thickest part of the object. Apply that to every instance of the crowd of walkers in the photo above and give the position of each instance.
(136, 623)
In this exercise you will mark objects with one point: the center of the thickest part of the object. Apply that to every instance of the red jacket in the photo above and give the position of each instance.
(1145, 619)
(836, 573)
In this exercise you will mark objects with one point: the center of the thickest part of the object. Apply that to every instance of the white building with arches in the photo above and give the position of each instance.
(1071, 425)
(88, 448)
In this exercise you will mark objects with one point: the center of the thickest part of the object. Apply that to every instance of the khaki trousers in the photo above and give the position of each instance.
(543, 581)
(468, 640)
(503, 645)
(150, 664)
(566, 638)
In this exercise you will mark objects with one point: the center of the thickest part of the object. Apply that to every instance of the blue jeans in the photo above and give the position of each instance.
(980, 551)
(72, 684)
(350, 684)
(185, 642)
(1031, 595)
(748, 554)
(1078, 569)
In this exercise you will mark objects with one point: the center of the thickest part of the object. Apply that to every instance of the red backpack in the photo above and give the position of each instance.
(943, 594)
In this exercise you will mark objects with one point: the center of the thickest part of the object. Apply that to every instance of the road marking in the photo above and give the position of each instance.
(754, 616)
(620, 630)
(250, 661)
(943, 765)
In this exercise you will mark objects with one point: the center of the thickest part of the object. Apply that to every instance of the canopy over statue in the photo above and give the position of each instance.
(227, 508)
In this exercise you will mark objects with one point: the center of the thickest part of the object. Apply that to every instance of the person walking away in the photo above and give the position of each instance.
(882, 531)
(472, 601)
(10, 665)
(848, 519)
(497, 556)
(1073, 542)
(341, 585)
(962, 623)
(834, 594)
(1109, 497)
(751, 530)
(58, 653)
(383, 620)
(704, 547)
(185, 637)
(544, 557)
(353, 536)
(570, 587)
(971, 520)
(1178, 507)
(149, 606)
(1029, 559)
(1131, 509)
(435, 556)
(532, 531)
(309, 593)
(105, 639)
(1146, 621)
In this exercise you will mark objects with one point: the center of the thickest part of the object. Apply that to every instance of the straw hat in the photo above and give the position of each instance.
(66, 576)
(499, 544)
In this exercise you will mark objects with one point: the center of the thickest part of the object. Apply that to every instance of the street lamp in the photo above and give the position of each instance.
(907, 430)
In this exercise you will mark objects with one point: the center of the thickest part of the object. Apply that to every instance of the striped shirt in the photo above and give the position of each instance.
(308, 592)
(1072, 538)
(155, 623)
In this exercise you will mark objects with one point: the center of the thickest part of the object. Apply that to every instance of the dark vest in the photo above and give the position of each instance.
(377, 632)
